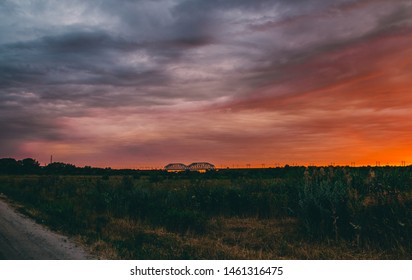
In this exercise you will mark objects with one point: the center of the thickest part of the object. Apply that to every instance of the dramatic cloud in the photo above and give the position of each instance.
(137, 83)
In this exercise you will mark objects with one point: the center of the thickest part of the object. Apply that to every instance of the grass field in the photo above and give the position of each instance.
(274, 213)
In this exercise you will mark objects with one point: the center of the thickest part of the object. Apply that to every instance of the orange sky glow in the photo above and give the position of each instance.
(304, 85)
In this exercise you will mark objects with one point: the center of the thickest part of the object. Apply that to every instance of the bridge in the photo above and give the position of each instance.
(201, 166)
(176, 167)
(195, 166)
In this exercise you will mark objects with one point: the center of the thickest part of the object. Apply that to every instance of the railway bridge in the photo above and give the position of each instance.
(195, 166)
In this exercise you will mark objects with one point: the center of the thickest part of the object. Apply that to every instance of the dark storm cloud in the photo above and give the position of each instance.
(22, 123)
(84, 55)
(88, 43)
(66, 66)
(287, 42)
(401, 17)
(28, 125)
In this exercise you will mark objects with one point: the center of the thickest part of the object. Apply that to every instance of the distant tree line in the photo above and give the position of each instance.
(27, 166)
(30, 166)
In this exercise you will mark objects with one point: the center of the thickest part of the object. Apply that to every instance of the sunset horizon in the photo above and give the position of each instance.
(219, 165)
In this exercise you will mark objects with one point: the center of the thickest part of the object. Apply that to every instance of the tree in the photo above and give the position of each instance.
(60, 168)
(30, 166)
(9, 166)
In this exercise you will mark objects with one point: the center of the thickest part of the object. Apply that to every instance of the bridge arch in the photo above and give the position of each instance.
(176, 167)
(197, 166)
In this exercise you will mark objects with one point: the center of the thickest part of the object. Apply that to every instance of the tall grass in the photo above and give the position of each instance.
(364, 207)
(367, 207)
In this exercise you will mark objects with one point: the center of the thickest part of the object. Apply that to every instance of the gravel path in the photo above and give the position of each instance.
(22, 239)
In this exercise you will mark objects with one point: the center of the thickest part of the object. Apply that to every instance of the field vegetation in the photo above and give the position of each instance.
(274, 213)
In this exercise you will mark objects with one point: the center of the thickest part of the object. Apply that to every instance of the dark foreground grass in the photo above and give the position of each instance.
(288, 213)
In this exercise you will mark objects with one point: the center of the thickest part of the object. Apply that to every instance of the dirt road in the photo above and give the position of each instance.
(23, 239)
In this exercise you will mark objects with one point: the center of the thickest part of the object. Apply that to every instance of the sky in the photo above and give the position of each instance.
(128, 84)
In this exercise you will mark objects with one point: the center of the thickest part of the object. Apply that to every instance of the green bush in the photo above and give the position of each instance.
(324, 209)
(363, 206)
